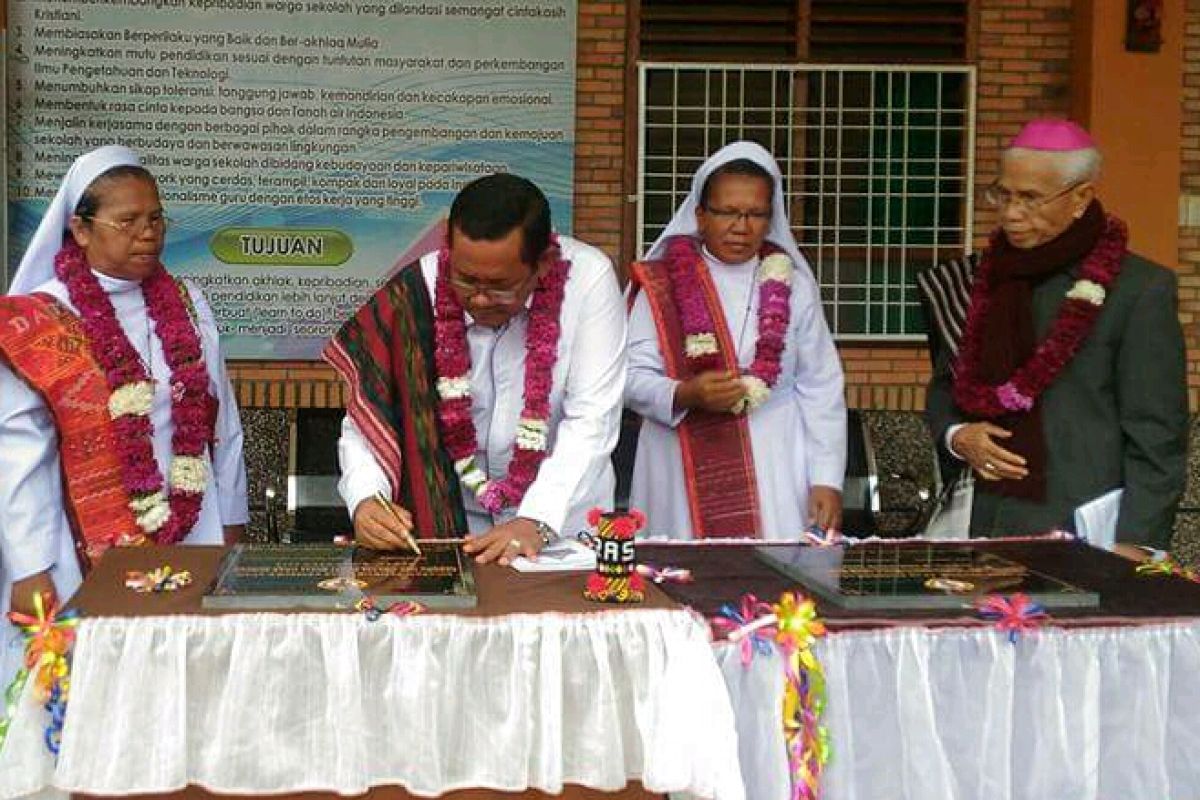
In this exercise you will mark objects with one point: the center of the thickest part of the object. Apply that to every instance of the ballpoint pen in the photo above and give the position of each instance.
(408, 537)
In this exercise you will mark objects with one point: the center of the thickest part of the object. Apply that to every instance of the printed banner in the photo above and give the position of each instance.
(304, 149)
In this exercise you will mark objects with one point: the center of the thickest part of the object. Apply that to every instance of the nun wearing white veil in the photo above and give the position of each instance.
(732, 367)
(122, 441)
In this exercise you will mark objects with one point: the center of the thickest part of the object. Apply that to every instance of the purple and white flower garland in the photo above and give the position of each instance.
(701, 343)
(453, 361)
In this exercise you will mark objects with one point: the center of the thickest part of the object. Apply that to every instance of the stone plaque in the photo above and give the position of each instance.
(320, 576)
(919, 576)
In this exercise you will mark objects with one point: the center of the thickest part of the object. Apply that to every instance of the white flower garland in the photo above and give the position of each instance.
(700, 344)
(757, 393)
(454, 388)
(142, 504)
(155, 516)
(532, 433)
(1087, 291)
(189, 473)
(132, 399)
(775, 267)
(472, 476)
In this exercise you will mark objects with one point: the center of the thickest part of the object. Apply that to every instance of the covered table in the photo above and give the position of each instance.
(1099, 704)
(534, 689)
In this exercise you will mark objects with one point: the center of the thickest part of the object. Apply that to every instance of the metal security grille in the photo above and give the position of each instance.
(878, 166)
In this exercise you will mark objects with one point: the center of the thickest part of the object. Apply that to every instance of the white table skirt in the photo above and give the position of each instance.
(962, 714)
(269, 703)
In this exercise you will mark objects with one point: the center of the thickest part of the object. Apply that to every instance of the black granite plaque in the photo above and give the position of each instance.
(919, 576)
(317, 576)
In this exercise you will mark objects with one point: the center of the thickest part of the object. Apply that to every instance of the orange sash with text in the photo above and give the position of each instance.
(44, 344)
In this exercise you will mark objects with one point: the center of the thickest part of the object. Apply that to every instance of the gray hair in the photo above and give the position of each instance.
(1074, 166)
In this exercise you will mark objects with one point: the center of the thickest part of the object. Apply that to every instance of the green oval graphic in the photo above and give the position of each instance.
(282, 247)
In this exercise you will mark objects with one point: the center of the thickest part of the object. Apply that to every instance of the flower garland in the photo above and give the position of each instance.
(701, 344)
(1076, 317)
(453, 362)
(167, 518)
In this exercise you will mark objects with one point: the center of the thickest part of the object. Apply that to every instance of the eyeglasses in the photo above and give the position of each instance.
(998, 197)
(498, 296)
(732, 215)
(134, 227)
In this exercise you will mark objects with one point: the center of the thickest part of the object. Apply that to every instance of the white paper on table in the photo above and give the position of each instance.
(1096, 520)
(562, 555)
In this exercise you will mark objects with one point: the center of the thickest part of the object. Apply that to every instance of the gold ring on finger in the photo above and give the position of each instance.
(516, 543)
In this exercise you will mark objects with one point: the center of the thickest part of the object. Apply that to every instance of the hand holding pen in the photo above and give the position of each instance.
(381, 524)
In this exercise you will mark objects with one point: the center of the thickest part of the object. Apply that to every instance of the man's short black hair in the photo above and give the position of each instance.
(491, 207)
(739, 166)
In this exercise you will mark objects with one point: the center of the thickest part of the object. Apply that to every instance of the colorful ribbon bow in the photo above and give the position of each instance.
(1013, 615)
(665, 574)
(49, 636)
(373, 612)
(159, 579)
(1168, 566)
(820, 537)
(798, 627)
(750, 625)
(792, 623)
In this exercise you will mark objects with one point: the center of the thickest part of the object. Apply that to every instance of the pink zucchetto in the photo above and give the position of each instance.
(1057, 135)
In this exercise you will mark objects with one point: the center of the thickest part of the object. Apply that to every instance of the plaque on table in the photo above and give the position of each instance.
(282, 577)
(918, 576)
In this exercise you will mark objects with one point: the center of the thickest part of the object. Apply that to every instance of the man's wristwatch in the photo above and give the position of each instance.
(547, 533)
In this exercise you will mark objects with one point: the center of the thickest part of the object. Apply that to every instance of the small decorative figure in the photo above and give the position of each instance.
(616, 579)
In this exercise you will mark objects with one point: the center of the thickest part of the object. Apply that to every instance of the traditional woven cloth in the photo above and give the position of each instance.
(717, 457)
(385, 355)
(44, 343)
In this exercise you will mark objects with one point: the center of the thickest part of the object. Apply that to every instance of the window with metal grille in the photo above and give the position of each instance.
(877, 163)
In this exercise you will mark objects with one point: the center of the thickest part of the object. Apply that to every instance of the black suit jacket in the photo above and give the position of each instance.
(1117, 415)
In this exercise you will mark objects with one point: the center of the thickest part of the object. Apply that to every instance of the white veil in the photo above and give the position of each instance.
(684, 221)
(37, 265)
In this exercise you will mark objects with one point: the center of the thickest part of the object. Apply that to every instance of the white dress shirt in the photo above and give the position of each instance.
(798, 436)
(585, 403)
(34, 533)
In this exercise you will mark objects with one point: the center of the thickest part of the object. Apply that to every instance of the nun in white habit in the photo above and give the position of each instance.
(124, 228)
(796, 424)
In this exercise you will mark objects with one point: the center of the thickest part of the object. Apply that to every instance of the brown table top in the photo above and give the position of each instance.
(502, 590)
(724, 573)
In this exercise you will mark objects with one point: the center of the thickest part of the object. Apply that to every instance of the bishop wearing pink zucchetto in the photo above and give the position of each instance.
(1067, 397)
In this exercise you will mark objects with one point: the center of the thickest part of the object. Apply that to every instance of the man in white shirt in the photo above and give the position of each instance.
(485, 383)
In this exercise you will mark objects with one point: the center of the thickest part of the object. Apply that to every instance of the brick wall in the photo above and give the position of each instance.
(1189, 235)
(601, 55)
(1024, 71)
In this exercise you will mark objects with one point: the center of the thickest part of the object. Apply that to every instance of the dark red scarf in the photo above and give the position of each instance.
(1009, 337)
